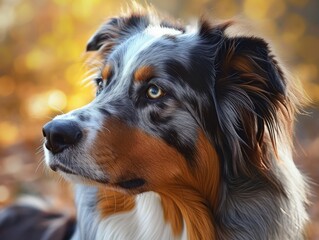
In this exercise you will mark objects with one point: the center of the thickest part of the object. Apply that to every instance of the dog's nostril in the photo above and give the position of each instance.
(43, 133)
(79, 136)
(53, 167)
(61, 134)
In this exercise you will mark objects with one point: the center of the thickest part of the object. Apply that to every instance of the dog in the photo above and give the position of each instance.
(189, 136)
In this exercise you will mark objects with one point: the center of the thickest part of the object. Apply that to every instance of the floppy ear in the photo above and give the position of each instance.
(250, 104)
(115, 31)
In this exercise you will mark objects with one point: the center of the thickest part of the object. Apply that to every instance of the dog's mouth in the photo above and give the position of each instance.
(130, 184)
(58, 167)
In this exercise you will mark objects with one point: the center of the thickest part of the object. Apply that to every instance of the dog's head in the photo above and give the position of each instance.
(172, 107)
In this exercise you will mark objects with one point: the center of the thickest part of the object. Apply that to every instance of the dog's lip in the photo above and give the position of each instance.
(56, 166)
(128, 184)
(132, 183)
(59, 167)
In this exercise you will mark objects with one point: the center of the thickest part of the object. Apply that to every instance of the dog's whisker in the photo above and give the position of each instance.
(89, 78)
(89, 84)
(39, 151)
(92, 71)
(42, 165)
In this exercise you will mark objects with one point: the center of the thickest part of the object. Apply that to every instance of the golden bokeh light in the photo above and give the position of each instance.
(39, 105)
(42, 50)
(277, 10)
(256, 9)
(9, 133)
(294, 27)
(57, 100)
(7, 86)
(78, 100)
(226, 8)
(37, 59)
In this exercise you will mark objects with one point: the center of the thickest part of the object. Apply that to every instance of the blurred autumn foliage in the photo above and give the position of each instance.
(41, 67)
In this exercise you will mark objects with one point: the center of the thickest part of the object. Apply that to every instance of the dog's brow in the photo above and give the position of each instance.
(106, 71)
(144, 73)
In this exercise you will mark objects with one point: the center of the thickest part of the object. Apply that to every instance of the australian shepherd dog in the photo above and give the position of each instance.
(189, 137)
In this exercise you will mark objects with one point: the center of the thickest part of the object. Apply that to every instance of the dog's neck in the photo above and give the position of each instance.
(180, 215)
(146, 220)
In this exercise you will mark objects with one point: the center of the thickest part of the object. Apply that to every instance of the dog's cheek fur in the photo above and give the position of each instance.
(173, 125)
(126, 153)
(185, 192)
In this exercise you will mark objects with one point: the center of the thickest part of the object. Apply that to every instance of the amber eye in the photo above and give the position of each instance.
(100, 84)
(154, 92)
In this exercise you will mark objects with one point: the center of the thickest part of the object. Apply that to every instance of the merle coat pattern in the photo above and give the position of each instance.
(189, 137)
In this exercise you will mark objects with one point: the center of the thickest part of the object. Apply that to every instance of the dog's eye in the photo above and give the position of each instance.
(154, 92)
(100, 85)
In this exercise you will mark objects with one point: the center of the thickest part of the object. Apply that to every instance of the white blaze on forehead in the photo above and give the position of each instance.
(158, 31)
(143, 41)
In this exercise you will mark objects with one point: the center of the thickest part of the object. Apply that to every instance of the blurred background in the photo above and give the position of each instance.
(41, 67)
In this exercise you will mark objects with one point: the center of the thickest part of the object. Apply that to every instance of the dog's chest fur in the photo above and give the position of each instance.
(145, 221)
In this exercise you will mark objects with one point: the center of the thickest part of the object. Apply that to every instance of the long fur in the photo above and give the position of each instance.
(210, 159)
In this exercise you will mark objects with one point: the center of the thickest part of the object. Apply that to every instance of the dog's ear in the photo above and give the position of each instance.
(250, 102)
(116, 30)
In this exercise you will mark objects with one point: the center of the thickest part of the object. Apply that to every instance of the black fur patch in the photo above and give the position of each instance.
(117, 29)
(104, 111)
(194, 77)
(188, 150)
(84, 117)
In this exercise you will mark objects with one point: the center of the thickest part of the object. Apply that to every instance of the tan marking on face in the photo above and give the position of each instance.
(189, 194)
(144, 73)
(107, 72)
(110, 202)
(126, 153)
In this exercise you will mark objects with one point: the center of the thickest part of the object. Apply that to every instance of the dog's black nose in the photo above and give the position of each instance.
(61, 134)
